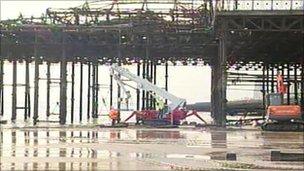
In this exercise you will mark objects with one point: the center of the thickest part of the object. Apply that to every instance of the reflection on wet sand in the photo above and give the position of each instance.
(84, 149)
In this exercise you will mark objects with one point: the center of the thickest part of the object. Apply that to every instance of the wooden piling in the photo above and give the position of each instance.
(302, 87)
(138, 90)
(89, 91)
(219, 84)
(166, 78)
(63, 85)
(288, 83)
(1, 87)
(296, 83)
(14, 91)
(36, 82)
(27, 100)
(48, 87)
(143, 100)
(72, 91)
(81, 91)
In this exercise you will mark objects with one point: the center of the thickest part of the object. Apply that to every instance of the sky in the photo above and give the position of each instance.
(11, 9)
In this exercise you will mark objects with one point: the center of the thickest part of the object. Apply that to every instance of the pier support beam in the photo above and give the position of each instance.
(36, 91)
(143, 103)
(302, 87)
(137, 90)
(111, 91)
(63, 86)
(1, 87)
(36, 83)
(89, 91)
(95, 90)
(288, 84)
(154, 81)
(148, 78)
(263, 89)
(14, 91)
(27, 100)
(296, 83)
(80, 92)
(272, 78)
(218, 85)
(48, 88)
(166, 78)
(72, 91)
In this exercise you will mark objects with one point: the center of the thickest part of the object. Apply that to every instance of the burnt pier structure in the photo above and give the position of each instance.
(226, 35)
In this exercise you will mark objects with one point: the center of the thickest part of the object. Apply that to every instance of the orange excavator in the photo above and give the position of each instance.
(279, 116)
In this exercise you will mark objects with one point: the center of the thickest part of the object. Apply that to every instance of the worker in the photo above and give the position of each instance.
(159, 104)
(114, 115)
(280, 84)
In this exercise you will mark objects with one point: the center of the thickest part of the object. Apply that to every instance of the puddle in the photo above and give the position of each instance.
(188, 156)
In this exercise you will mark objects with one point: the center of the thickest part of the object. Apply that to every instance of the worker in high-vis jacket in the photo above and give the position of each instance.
(159, 104)
(114, 115)
(281, 88)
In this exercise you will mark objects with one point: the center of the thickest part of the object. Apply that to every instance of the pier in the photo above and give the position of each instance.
(227, 36)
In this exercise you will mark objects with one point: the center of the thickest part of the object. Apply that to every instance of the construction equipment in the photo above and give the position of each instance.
(171, 114)
(280, 117)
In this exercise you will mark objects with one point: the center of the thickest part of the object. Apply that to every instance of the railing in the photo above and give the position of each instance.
(231, 5)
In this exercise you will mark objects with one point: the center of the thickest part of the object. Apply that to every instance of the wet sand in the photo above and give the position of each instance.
(96, 148)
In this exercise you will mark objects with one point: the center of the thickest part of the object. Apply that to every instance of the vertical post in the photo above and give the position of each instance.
(14, 91)
(235, 4)
(143, 106)
(283, 75)
(80, 91)
(63, 83)
(72, 91)
(111, 90)
(89, 90)
(148, 78)
(151, 80)
(267, 78)
(1, 87)
(219, 83)
(291, 4)
(137, 90)
(272, 78)
(27, 100)
(271, 5)
(263, 89)
(166, 78)
(97, 89)
(48, 87)
(93, 88)
(288, 84)
(302, 87)
(296, 84)
(118, 86)
(36, 83)
(154, 82)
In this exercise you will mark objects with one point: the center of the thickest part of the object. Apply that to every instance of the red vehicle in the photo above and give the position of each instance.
(280, 117)
(172, 114)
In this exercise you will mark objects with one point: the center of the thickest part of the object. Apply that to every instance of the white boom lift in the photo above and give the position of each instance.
(144, 84)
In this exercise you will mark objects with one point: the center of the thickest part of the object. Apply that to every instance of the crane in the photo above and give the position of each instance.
(177, 105)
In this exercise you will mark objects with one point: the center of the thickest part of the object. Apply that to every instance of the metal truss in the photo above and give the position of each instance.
(262, 21)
